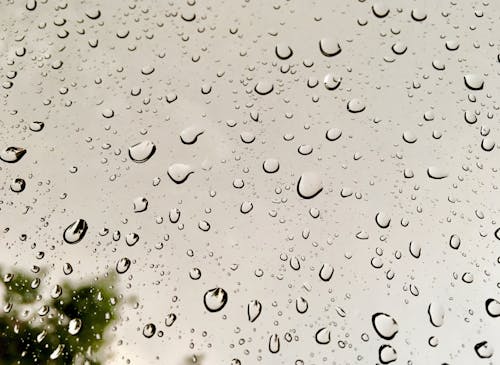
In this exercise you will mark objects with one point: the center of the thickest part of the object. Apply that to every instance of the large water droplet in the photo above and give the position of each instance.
(454, 241)
(12, 154)
(329, 47)
(179, 172)
(382, 220)
(18, 185)
(333, 134)
(322, 336)
(387, 354)
(74, 326)
(301, 305)
(380, 10)
(326, 272)
(264, 87)
(149, 330)
(142, 151)
(355, 106)
(436, 314)
(271, 165)
(483, 350)
(385, 326)
(123, 265)
(75, 232)
(215, 299)
(436, 173)
(492, 307)
(190, 134)
(140, 204)
(283, 51)
(332, 81)
(274, 343)
(169, 321)
(309, 185)
(253, 310)
(474, 82)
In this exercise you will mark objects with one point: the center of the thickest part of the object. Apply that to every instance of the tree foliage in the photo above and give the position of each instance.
(66, 326)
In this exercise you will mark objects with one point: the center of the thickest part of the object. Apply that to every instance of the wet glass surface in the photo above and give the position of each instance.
(249, 182)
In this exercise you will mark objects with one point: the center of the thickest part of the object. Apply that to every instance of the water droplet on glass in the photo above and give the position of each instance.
(436, 173)
(271, 165)
(474, 82)
(322, 336)
(385, 326)
(355, 106)
(141, 152)
(75, 232)
(492, 307)
(122, 265)
(149, 330)
(254, 309)
(274, 343)
(387, 354)
(436, 314)
(326, 272)
(215, 299)
(309, 185)
(329, 47)
(74, 326)
(333, 134)
(12, 154)
(179, 172)
(264, 87)
(483, 350)
(283, 51)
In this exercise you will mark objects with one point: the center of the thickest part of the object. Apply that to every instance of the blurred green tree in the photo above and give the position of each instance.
(67, 326)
